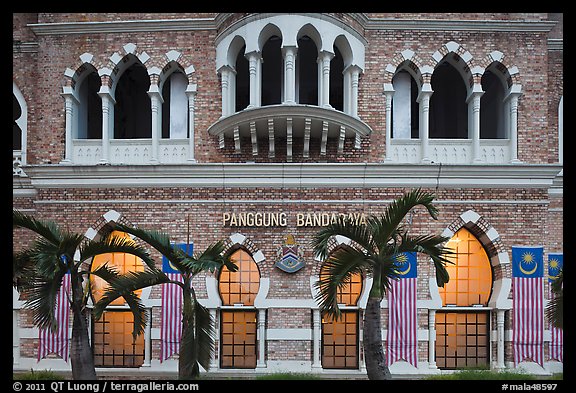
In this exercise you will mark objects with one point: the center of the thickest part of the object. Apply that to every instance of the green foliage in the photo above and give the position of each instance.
(38, 375)
(485, 375)
(288, 375)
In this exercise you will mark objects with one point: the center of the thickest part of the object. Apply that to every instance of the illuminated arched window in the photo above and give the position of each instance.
(462, 333)
(238, 325)
(340, 336)
(112, 339)
(470, 275)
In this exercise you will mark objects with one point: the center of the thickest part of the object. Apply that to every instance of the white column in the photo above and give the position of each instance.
(325, 57)
(354, 78)
(316, 338)
(191, 94)
(155, 108)
(514, 127)
(213, 362)
(389, 94)
(474, 109)
(261, 362)
(432, 339)
(70, 102)
(289, 53)
(424, 100)
(107, 120)
(254, 61)
(148, 340)
(15, 337)
(500, 339)
(225, 73)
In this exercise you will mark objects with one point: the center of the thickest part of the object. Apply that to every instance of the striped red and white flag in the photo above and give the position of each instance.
(402, 339)
(57, 342)
(171, 314)
(555, 266)
(171, 318)
(528, 304)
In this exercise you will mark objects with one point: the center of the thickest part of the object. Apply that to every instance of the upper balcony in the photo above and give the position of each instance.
(284, 123)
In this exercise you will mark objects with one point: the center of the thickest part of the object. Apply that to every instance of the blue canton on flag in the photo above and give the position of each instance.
(406, 265)
(528, 262)
(167, 267)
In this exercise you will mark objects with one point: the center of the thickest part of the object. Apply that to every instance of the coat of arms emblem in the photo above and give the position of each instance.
(290, 258)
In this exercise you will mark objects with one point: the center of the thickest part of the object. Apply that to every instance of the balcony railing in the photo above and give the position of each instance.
(17, 164)
(449, 151)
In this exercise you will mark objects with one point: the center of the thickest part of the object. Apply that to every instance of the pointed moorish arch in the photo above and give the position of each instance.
(489, 237)
(102, 226)
(234, 242)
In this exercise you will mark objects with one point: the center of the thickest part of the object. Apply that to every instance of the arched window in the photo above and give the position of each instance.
(462, 334)
(337, 80)
(340, 336)
(492, 120)
(132, 111)
(307, 71)
(238, 325)
(448, 108)
(242, 81)
(175, 107)
(90, 108)
(112, 339)
(404, 106)
(272, 71)
(16, 130)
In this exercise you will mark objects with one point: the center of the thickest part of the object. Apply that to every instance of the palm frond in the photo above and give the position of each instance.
(158, 240)
(114, 244)
(555, 308)
(41, 295)
(336, 272)
(343, 226)
(46, 229)
(432, 246)
(124, 285)
(211, 259)
(383, 226)
(23, 270)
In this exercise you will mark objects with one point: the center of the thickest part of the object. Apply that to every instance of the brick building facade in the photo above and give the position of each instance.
(270, 129)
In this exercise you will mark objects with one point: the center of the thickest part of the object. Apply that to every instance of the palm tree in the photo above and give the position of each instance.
(197, 342)
(373, 249)
(555, 308)
(38, 272)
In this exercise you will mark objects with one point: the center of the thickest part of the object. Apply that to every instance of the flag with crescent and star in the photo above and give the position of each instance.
(171, 314)
(555, 266)
(402, 340)
(528, 304)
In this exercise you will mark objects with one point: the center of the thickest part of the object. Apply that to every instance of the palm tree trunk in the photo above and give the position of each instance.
(186, 368)
(376, 366)
(81, 356)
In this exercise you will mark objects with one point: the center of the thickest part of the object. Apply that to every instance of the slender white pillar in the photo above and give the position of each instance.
(107, 120)
(289, 53)
(191, 94)
(424, 100)
(70, 102)
(254, 61)
(474, 109)
(389, 94)
(148, 340)
(353, 96)
(500, 339)
(225, 74)
(155, 104)
(432, 339)
(514, 127)
(325, 57)
(316, 338)
(261, 362)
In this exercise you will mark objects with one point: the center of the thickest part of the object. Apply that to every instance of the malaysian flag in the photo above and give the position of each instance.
(402, 340)
(528, 304)
(555, 265)
(171, 314)
(57, 342)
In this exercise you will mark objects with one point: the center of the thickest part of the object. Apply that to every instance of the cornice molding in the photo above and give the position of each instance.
(454, 25)
(187, 24)
(317, 175)
(124, 26)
